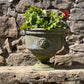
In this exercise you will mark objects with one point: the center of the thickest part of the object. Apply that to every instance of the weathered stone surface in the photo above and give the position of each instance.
(76, 10)
(10, 75)
(77, 47)
(42, 4)
(21, 48)
(79, 5)
(76, 26)
(60, 60)
(17, 41)
(8, 7)
(20, 20)
(77, 1)
(62, 51)
(11, 12)
(72, 39)
(48, 2)
(64, 6)
(18, 45)
(8, 27)
(2, 40)
(20, 7)
(7, 46)
(2, 61)
(21, 59)
(5, 7)
(61, 4)
(38, 3)
(70, 60)
(3, 1)
(1, 51)
(77, 14)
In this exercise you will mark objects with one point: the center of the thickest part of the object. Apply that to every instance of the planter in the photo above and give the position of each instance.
(44, 44)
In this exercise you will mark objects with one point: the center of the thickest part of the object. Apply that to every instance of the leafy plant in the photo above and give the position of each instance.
(38, 18)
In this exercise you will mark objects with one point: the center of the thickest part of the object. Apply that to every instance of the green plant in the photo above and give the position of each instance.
(38, 18)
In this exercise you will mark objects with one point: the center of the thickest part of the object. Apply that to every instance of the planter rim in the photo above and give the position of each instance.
(43, 31)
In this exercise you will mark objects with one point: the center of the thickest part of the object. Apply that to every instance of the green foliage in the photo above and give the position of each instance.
(38, 18)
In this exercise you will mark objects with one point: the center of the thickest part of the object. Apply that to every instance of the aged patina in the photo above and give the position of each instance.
(44, 44)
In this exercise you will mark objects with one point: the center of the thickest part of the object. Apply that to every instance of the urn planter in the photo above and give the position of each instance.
(44, 34)
(44, 44)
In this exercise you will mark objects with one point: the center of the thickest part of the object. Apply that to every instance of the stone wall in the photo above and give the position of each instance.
(14, 53)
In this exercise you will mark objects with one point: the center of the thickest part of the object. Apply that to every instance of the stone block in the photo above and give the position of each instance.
(76, 27)
(63, 4)
(79, 5)
(72, 39)
(20, 20)
(11, 12)
(77, 1)
(25, 75)
(1, 51)
(3, 1)
(39, 4)
(21, 5)
(77, 14)
(8, 27)
(5, 7)
(7, 46)
(2, 61)
(68, 61)
(21, 59)
(48, 2)
(77, 47)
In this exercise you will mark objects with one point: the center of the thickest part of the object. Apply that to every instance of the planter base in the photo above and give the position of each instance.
(43, 67)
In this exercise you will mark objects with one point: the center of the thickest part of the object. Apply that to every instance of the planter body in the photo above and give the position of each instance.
(44, 43)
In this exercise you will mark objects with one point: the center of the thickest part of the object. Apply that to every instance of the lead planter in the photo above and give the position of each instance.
(44, 44)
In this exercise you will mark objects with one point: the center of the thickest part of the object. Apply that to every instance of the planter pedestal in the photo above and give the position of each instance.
(43, 67)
